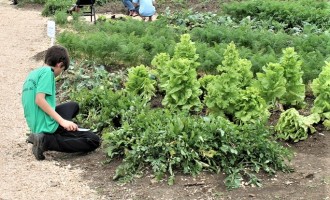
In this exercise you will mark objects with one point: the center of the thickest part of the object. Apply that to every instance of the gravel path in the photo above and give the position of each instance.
(23, 35)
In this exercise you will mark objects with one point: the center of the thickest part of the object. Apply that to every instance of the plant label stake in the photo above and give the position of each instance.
(51, 31)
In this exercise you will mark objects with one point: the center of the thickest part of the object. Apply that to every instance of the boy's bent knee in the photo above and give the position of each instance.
(94, 141)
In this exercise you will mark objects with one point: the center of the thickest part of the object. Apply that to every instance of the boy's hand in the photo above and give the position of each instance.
(69, 125)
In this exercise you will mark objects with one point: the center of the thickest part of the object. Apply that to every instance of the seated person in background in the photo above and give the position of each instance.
(78, 3)
(129, 5)
(145, 8)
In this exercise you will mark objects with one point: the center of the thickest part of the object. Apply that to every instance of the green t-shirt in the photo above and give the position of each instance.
(41, 80)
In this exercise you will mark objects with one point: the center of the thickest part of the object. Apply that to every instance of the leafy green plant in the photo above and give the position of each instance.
(60, 17)
(88, 75)
(51, 6)
(140, 81)
(205, 80)
(251, 107)
(182, 87)
(321, 90)
(230, 93)
(271, 83)
(102, 108)
(223, 91)
(292, 126)
(239, 69)
(167, 142)
(160, 62)
(94, 89)
(295, 89)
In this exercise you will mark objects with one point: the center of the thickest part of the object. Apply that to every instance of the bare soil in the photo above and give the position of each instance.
(79, 176)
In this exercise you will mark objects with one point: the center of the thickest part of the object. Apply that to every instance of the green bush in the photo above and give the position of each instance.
(168, 142)
(181, 87)
(52, 6)
(60, 17)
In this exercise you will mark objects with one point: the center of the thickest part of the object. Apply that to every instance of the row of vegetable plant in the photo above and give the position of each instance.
(130, 43)
(151, 137)
(218, 85)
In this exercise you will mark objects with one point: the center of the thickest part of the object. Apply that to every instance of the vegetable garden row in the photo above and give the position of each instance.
(195, 91)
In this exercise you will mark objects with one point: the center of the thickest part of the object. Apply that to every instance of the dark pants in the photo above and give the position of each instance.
(70, 141)
(80, 3)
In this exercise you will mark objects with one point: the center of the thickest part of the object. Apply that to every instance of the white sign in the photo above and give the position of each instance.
(51, 29)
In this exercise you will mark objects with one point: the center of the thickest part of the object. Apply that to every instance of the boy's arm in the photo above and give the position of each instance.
(43, 104)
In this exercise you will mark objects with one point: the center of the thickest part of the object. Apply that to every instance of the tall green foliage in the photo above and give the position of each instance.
(295, 88)
(271, 83)
(224, 90)
(229, 93)
(160, 62)
(238, 69)
(140, 82)
(181, 86)
(321, 90)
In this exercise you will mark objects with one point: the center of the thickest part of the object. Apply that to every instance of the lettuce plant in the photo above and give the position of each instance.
(295, 88)
(251, 107)
(271, 83)
(205, 80)
(229, 93)
(160, 62)
(140, 82)
(239, 70)
(223, 92)
(178, 76)
(294, 127)
(321, 90)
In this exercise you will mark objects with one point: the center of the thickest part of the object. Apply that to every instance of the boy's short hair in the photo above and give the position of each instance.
(57, 54)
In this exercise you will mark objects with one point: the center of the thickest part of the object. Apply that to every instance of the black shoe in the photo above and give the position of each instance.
(38, 146)
(30, 139)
